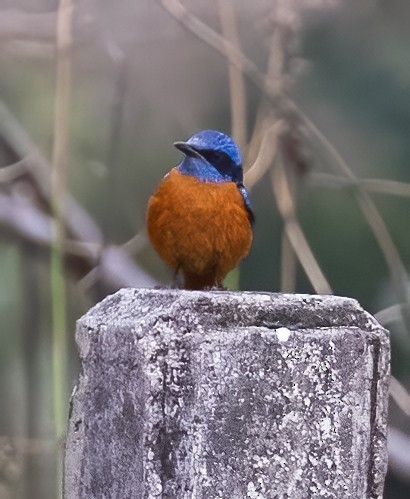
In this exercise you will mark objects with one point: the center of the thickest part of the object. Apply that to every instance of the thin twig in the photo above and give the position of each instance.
(385, 186)
(294, 232)
(400, 395)
(266, 153)
(398, 443)
(288, 265)
(277, 73)
(135, 244)
(220, 44)
(236, 77)
(58, 183)
(58, 188)
(116, 115)
(389, 315)
(14, 171)
(265, 116)
(378, 185)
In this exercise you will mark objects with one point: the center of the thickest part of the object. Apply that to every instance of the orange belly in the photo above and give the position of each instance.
(201, 228)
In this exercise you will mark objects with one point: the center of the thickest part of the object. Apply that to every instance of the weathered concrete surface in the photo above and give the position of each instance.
(228, 395)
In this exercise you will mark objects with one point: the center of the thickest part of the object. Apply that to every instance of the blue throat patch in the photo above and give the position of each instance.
(202, 170)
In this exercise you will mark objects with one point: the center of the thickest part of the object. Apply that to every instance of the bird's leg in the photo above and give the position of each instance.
(218, 286)
(176, 280)
(217, 281)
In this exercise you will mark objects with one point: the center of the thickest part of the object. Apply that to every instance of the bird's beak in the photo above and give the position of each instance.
(186, 149)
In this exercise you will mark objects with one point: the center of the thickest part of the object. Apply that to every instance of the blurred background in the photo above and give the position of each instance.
(92, 96)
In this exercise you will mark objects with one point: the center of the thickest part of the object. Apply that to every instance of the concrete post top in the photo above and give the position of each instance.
(228, 308)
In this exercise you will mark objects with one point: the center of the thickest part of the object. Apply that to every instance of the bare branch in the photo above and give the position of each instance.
(399, 453)
(400, 395)
(135, 244)
(385, 186)
(61, 106)
(14, 171)
(58, 187)
(288, 265)
(266, 153)
(115, 269)
(77, 220)
(20, 216)
(390, 314)
(294, 232)
(381, 186)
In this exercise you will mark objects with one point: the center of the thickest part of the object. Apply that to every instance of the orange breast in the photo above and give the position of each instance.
(201, 228)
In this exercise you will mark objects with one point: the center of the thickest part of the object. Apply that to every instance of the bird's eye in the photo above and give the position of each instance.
(224, 164)
(213, 155)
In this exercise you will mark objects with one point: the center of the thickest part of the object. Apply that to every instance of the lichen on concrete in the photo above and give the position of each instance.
(228, 395)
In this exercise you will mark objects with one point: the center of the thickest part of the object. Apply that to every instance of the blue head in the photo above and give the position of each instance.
(211, 156)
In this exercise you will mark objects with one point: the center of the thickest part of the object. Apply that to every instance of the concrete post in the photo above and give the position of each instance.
(221, 395)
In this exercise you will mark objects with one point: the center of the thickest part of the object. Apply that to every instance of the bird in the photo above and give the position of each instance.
(200, 218)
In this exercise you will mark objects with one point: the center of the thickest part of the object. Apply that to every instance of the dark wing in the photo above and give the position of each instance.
(247, 201)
